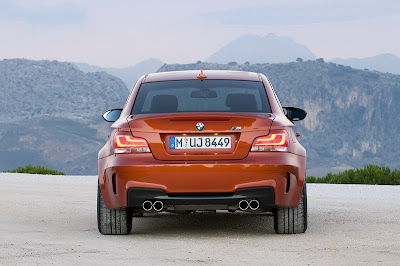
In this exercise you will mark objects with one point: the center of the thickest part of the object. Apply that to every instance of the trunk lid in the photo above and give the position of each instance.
(161, 130)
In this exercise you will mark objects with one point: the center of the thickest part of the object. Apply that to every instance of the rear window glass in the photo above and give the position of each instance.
(201, 96)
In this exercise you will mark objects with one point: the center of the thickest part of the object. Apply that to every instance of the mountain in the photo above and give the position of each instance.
(256, 49)
(130, 74)
(51, 114)
(384, 63)
(352, 114)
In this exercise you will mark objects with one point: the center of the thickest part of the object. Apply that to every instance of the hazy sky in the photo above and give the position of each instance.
(121, 32)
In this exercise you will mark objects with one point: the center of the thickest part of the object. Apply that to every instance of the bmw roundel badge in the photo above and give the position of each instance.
(199, 126)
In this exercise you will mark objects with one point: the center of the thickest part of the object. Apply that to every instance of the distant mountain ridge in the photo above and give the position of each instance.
(256, 49)
(352, 114)
(383, 63)
(253, 49)
(130, 74)
(274, 49)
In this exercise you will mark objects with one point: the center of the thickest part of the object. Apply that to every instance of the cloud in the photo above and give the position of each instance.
(295, 14)
(36, 13)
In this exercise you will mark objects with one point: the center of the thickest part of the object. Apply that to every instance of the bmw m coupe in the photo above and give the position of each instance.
(212, 140)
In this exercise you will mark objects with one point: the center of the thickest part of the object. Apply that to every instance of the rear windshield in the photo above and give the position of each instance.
(201, 96)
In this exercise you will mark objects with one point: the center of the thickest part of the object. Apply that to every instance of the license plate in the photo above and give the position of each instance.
(203, 142)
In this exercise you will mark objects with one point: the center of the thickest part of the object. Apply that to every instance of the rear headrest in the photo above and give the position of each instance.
(241, 102)
(164, 104)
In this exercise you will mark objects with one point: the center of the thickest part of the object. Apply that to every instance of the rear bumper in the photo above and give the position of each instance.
(121, 173)
(192, 201)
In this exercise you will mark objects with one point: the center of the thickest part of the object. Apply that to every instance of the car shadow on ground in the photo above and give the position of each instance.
(204, 224)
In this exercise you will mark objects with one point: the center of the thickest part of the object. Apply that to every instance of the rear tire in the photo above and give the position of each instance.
(112, 221)
(292, 220)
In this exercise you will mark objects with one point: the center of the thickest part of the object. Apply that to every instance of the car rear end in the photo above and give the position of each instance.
(186, 142)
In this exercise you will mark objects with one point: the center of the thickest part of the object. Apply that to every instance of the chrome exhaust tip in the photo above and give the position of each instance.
(243, 205)
(254, 205)
(158, 206)
(147, 205)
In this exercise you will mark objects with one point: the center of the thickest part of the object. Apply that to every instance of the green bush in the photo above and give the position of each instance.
(29, 169)
(370, 174)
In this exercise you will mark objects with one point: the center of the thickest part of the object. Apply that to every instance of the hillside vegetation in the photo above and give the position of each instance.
(37, 88)
(37, 169)
(370, 174)
(51, 114)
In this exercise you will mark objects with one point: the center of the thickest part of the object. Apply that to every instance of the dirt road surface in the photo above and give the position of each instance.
(52, 220)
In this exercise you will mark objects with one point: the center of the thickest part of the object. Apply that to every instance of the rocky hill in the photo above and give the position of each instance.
(352, 114)
(51, 114)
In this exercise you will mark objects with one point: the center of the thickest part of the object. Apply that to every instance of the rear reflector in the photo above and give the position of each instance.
(124, 142)
(276, 140)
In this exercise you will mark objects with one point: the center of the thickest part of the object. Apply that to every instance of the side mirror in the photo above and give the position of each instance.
(294, 113)
(112, 115)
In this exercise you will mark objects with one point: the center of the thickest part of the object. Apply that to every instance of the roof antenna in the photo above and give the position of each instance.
(201, 75)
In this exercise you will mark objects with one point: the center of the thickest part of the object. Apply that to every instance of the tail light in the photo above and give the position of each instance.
(124, 142)
(276, 140)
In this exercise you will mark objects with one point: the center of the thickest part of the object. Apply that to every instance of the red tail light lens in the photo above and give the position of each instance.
(124, 142)
(276, 140)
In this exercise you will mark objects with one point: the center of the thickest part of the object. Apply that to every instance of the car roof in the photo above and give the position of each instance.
(192, 75)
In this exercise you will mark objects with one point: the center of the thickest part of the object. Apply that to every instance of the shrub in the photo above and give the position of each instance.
(370, 174)
(29, 169)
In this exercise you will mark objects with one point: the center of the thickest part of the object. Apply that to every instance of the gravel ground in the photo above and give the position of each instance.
(52, 220)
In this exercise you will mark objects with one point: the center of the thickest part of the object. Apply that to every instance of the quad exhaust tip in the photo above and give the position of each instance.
(147, 205)
(158, 206)
(252, 205)
(243, 205)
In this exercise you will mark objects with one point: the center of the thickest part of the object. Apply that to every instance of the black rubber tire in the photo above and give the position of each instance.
(112, 221)
(292, 220)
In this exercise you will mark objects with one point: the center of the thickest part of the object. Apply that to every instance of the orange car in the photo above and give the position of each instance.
(193, 140)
